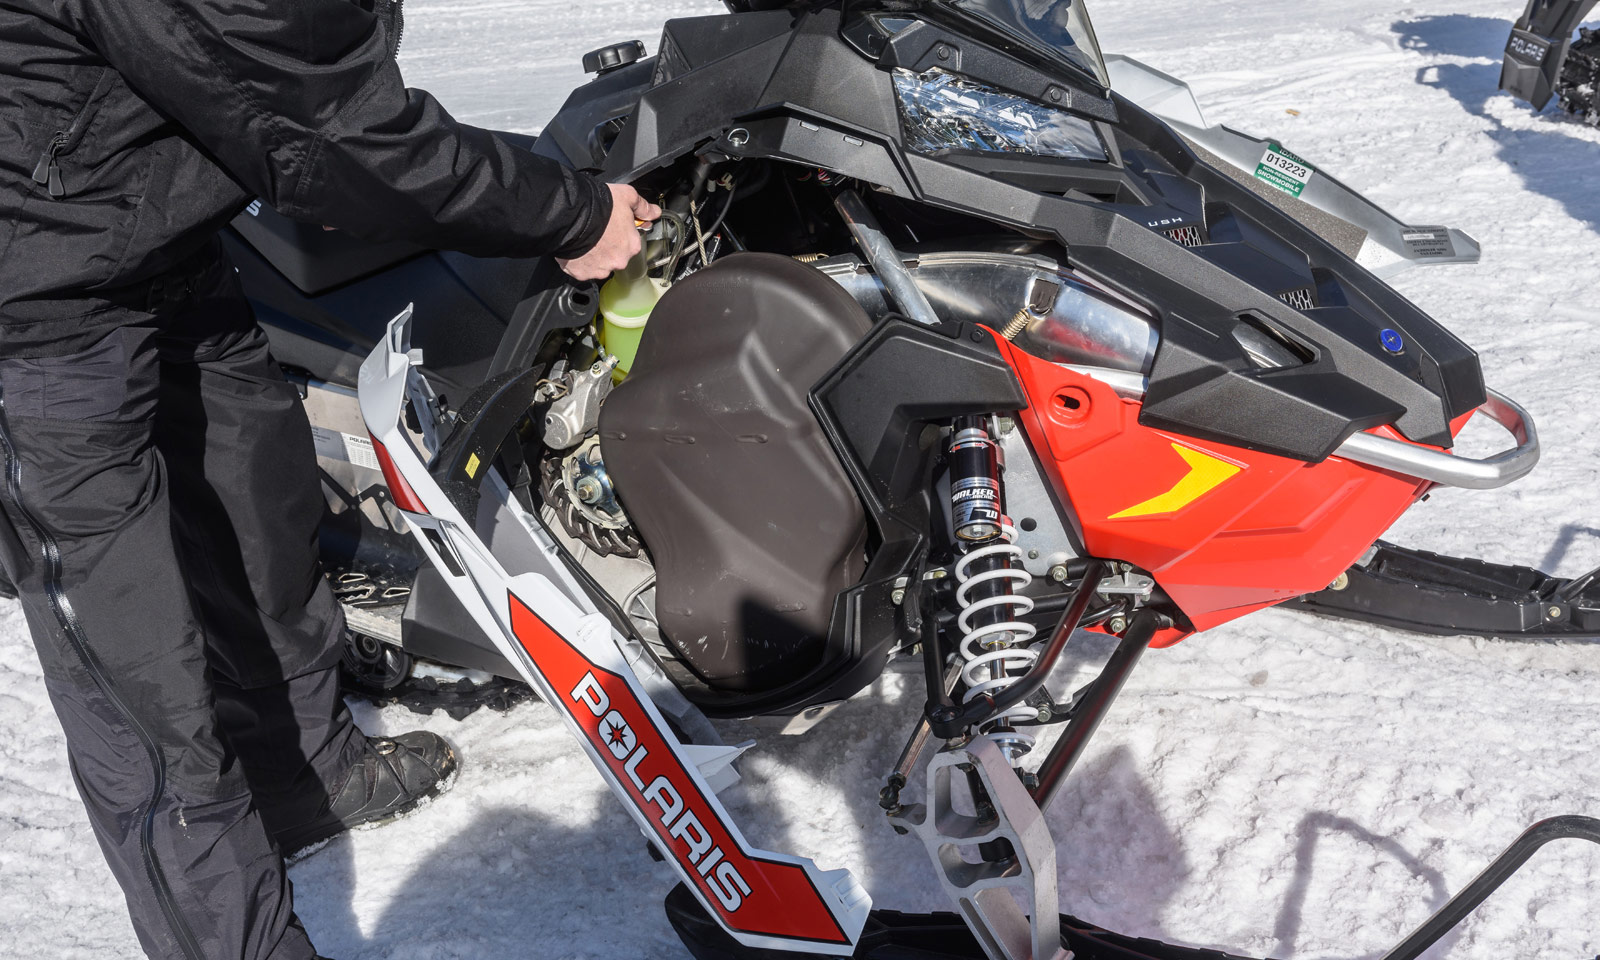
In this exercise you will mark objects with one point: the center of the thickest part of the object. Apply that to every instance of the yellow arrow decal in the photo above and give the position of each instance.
(1206, 473)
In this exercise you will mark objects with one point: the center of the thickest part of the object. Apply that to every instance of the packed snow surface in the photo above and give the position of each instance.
(1282, 786)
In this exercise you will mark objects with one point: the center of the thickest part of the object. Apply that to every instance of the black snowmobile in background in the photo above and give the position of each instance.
(910, 248)
(1545, 59)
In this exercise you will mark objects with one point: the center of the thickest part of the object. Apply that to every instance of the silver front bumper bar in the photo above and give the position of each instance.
(1424, 463)
(1447, 469)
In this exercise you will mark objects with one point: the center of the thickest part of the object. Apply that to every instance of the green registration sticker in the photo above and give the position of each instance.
(1284, 170)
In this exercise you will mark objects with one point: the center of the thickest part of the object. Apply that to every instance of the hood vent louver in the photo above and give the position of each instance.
(1186, 236)
(1302, 299)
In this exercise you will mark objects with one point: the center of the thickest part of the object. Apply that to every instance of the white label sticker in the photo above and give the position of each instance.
(1429, 243)
(346, 447)
(1284, 170)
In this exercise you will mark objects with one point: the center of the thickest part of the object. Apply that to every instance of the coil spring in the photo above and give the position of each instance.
(1019, 322)
(994, 651)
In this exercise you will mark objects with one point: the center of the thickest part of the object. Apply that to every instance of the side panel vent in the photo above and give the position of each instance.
(1187, 236)
(1301, 299)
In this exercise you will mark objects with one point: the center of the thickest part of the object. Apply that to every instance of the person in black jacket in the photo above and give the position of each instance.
(159, 508)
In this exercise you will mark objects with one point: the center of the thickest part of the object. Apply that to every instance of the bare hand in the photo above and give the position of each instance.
(630, 213)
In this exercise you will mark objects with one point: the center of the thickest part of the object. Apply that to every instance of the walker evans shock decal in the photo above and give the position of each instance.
(1284, 170)
(753, 896)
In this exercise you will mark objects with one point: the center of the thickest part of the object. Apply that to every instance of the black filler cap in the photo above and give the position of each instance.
(611, 57)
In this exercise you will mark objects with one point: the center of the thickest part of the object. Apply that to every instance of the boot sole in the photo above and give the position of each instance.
(307, 847)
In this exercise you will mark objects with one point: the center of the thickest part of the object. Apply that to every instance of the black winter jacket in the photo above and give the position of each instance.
(132, 130)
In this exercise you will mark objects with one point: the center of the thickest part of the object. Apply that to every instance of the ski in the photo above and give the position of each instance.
(1435, 594)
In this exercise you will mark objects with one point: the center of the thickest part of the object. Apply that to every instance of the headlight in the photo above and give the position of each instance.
(941, 111)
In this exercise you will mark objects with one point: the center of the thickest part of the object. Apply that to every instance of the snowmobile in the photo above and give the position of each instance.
(1544, 61)
(942, 350)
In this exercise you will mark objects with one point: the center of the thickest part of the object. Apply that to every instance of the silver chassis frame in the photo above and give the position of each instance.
(475, 567)
(1389, 247)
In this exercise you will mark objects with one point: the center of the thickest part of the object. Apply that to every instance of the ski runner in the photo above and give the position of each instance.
(160, 502)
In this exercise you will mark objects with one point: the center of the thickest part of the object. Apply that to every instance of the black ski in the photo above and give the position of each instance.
(891, 935)
(1435, 594)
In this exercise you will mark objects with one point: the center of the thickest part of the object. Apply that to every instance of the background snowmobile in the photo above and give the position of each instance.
(1544, 60)
(959, 351)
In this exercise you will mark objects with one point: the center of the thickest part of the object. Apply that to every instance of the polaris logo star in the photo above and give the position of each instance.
(666, 798)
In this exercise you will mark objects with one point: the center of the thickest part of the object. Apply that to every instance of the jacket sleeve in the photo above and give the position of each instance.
(302, 102)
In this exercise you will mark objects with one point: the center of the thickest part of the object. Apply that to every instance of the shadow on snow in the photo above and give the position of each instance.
(1553, 158)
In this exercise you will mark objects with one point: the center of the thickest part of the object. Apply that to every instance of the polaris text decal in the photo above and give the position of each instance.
(728, 885)
(750, 895)
(1528, 49)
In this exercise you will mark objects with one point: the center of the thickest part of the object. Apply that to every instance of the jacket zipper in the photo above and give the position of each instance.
(399, 19)
(72, 628)
(48, 171)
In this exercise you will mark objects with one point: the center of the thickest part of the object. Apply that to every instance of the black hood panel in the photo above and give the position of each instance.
(1203, 253)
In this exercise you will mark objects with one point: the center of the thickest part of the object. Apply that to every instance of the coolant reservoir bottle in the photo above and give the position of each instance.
(625, 304)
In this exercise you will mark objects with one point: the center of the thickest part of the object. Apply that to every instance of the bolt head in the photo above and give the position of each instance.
(1045, 713)
(1340, 582)
(1118, 624)
(588, 490)
(1059, 573)
(898, 597)
(1554, 613)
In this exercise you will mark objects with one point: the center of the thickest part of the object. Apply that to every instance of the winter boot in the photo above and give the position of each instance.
(397, 775)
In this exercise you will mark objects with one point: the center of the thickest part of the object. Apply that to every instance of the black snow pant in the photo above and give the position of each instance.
(162, 499)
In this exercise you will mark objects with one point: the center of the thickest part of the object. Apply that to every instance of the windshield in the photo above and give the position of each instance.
(1059, 28)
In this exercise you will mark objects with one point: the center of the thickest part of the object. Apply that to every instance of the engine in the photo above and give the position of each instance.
(682, 457)
(751, 520)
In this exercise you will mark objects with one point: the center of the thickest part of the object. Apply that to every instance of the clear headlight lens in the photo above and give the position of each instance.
(941, 111)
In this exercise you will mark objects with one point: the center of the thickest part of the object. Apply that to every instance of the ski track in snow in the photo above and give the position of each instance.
(1282, 786)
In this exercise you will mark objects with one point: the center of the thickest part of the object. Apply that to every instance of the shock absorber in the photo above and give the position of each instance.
(988, 574)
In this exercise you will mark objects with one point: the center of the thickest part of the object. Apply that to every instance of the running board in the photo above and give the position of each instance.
(1449, 596)
(891, 935)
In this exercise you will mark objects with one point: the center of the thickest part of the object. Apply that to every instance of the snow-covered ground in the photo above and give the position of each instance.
(1282, 786)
